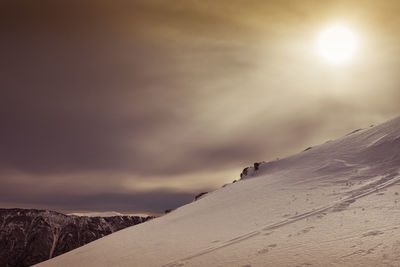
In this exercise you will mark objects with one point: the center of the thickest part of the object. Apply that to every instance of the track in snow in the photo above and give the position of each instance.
(382, 183)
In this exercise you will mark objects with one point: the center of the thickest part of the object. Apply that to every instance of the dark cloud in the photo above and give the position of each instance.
(178, 90)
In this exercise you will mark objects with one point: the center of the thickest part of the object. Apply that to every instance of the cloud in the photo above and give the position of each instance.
(137, 96)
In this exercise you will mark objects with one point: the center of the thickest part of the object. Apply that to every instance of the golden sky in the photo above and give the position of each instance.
(137, 105)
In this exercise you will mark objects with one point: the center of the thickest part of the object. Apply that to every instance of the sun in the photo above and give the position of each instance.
(336, 44)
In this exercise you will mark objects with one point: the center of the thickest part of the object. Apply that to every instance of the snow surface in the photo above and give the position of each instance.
(336, 204)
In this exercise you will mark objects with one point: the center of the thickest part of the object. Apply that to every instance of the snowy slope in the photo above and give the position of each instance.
(336, 204)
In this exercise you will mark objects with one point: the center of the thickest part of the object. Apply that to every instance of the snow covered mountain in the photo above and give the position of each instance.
(336, 204)
(29, 236)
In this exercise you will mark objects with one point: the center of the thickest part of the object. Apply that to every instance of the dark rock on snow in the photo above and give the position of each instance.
(200, 195)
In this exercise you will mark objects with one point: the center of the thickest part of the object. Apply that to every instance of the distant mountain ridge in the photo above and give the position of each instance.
(106, 214)
(30, 236)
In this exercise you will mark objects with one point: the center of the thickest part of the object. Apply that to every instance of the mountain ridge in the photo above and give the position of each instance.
(29, 236)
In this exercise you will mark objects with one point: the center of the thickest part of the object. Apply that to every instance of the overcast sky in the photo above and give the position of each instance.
(138, 105)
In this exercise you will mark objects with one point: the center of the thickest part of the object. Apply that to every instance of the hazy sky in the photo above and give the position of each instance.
(139, 105)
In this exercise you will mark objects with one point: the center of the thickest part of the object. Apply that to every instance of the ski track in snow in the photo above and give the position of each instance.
(387, 181)
(377, 140)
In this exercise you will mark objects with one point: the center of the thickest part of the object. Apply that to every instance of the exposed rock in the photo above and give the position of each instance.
(354, 131)
(200, 195)
(244, 172)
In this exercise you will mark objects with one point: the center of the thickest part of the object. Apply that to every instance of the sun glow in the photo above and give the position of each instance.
(336, 44)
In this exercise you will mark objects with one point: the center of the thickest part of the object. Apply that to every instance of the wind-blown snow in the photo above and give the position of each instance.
(336, 204)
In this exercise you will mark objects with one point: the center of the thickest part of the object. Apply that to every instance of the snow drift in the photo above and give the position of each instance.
(336, 204)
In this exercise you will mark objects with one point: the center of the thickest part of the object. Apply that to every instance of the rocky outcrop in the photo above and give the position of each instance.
(29, 236)
(200, 195)
(251, 170)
